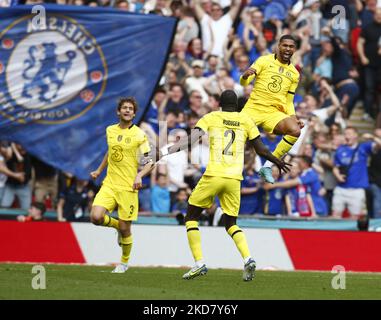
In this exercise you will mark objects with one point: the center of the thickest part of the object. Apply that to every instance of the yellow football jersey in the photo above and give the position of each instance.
(273, 81)
(228, 132)
(124, 149)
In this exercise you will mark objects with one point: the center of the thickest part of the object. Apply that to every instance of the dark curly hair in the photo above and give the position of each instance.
(131, 100)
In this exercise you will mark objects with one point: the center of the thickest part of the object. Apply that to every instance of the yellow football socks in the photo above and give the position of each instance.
(284, 146)
(194, 239)
(110, 222)
(126, 248)
(240, 241)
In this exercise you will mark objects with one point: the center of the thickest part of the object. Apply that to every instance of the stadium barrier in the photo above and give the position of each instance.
(278, 249)
(258, 221)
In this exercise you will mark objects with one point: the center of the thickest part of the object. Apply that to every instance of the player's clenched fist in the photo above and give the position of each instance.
(94, 174)
(137, 183)
(249, 72)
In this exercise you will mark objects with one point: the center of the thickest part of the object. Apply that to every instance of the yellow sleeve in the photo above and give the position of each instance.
(204, 123)
(252, 130)
(290, 109)
(258, 66)
(144, 146)
(246, 82)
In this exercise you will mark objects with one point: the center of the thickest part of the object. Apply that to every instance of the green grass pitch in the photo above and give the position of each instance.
(94, 282)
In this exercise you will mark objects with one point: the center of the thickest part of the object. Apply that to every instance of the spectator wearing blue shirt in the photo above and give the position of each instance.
(343, 73)
(274, 198)
(242, 64)
(160, 195)
(181, 205)
(250, 193)
(270, 140)
(172, 122)
(152, 117)
(352, 178)
(74, 201)
(177, 101)
(145, 194)
(367, 12)
(298, 201)
(310, 178)
(212, 64)
(258, 3)
(251, 31)
(375, 178)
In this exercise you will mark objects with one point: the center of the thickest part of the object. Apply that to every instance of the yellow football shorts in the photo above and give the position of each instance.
(228, 191)
(127, 202)
(266, 117)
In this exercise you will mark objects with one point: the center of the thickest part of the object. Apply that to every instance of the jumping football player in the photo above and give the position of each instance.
(271, 103)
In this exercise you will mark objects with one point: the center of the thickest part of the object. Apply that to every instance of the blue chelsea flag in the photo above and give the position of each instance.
(60, 80)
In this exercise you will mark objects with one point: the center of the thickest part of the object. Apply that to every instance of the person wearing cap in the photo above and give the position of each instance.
(197, 80)
(228, 132)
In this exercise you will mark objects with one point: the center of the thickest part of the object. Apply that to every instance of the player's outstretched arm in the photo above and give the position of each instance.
(247, 77)
(95, 174)
(262, 151)
(184, 143)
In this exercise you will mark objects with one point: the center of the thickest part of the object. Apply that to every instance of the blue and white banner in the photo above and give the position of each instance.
(61, 77)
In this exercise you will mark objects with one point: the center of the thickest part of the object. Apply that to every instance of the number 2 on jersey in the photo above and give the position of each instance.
(226, 151)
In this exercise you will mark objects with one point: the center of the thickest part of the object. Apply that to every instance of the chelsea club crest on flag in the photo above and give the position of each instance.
(60, 78)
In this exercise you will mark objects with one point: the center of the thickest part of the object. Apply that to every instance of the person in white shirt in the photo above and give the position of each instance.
(176, 163)
(215, 27)
(5, 3)
(197, 80)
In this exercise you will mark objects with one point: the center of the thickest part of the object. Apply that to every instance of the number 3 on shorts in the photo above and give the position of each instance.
(131, 211)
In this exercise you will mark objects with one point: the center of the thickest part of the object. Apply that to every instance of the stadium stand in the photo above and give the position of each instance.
(200, 74)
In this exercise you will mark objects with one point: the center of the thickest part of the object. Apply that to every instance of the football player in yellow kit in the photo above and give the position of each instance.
(126, 144)
(228, 132)
(271, 102)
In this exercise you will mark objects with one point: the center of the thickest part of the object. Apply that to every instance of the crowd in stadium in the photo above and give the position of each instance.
(338, 99)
